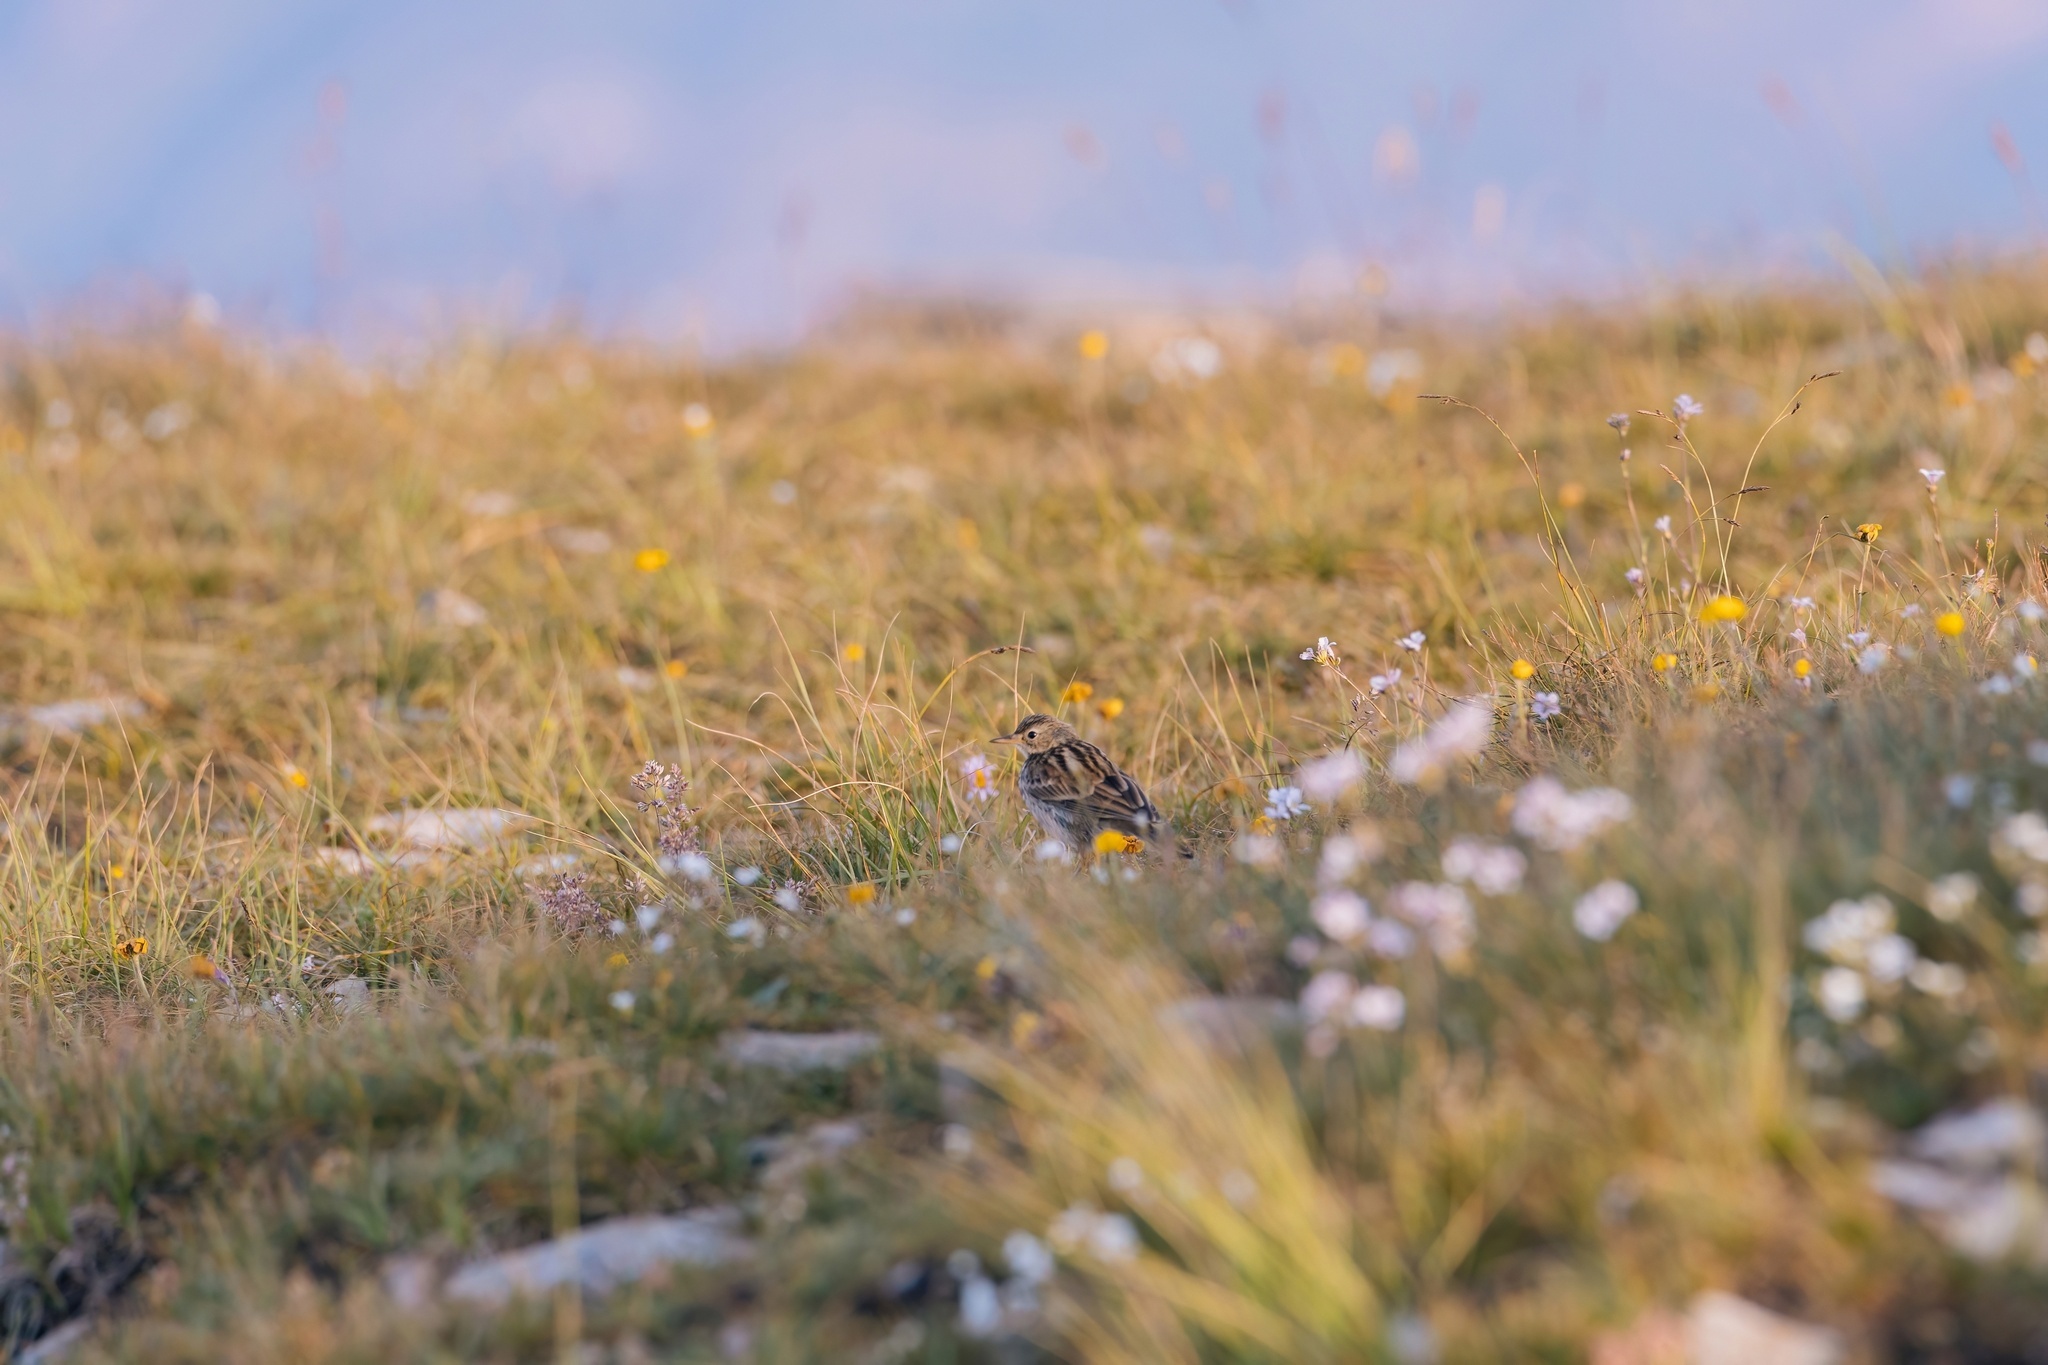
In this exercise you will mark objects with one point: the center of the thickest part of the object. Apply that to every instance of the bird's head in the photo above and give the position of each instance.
(1036, 734)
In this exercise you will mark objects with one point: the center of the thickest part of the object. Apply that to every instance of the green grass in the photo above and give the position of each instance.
(1561, 1134)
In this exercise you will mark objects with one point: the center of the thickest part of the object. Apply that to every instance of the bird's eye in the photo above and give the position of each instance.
(1031, 734)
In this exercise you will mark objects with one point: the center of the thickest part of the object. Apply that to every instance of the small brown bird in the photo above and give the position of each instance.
(1074, 789)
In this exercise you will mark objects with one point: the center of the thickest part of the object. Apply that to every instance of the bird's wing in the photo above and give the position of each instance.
(1107, 792)
(1051, 780)
(1119, 802)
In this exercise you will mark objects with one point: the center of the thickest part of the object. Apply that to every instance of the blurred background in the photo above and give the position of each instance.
(735, 175)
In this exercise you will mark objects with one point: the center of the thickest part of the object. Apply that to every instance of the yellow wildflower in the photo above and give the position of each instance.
(676, 668)
(1109, 708)
(1522, 670)
(616, 960)
(697, 420)
(1663, 663)
(985, 970)
(1111, 841)
(1867, 532)
(651, 559)
(861, 893)
(132, 947)
(1264, 824)
(1077, 692)
(1724, 608)
(297, 776)
(854, 653)
(1949, 623)
(116, 872)
(1571, 495)
(1801, 667)
(1094, 344)
(203, 968)
(1027, 1029)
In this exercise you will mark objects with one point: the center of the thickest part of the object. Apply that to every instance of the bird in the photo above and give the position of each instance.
(1075, 790)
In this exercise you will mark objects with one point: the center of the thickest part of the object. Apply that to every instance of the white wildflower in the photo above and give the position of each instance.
(1560, 820)
(981, 1310)
(1545, 706)
(1933, 477)
(1343, 855)
(980, 777)
(1412, 641)
(2031, 611)
(1284, 803)
(1959, 789)
(1662, 526)
(904, 917)
(622, 1001)
(1492, 869)
(747, 876)
(647, 916)
(1331, 776)
(1602, 910)
(1379, 1007)
(1840, 993)
(2025, 666)
(1389, 939)
(1686, 407)
(1126, 1176)
(1873, 658)
(1943, 980)
(1848, 928)
(1441, 910)
(662, 942)
(1634, 576)
(1382, 683)
(1343, 915)
(1053, 851)
(1258, 850)
(1029, 1259)
(1890, 958)
(1464, 730)
(747, 930)
(1800, 603)
(1323, 651)
(1327, 995)
(1949, 898)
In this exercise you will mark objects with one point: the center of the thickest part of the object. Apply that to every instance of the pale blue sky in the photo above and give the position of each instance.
(731, 171)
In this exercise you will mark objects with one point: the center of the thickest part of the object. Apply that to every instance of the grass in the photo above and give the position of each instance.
(512, 575)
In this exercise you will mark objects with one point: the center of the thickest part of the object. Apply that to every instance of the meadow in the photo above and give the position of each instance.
(1606, 806)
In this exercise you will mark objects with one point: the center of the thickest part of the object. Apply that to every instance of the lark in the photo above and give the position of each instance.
(1075, 790)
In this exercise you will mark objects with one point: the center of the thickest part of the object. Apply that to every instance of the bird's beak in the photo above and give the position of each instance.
(1004, 739)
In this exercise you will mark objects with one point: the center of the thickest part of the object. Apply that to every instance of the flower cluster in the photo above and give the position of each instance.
(661, 790)
(1490, 869)
(1331, 776)
(1559, 820)
(1440, 910)
(570, 904)
(1602, 911)
(1323, 652)
(1861, 938)
(1335, 997)
(1463, 731)
(2020, 848)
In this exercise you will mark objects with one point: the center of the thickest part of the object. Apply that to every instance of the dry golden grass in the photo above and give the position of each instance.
(510, 577)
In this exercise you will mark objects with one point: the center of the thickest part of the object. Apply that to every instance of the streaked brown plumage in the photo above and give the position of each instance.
(1074, 789)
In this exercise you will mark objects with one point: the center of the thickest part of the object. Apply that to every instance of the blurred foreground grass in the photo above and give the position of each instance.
(337, 938)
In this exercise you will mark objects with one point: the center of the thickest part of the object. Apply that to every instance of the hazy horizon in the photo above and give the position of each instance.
(377, 170)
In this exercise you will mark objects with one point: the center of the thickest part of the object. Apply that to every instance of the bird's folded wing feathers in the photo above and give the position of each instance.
(1120, 800)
